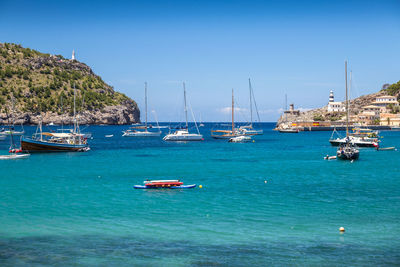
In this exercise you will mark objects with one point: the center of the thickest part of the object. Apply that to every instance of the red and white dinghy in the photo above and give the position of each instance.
(156, 184)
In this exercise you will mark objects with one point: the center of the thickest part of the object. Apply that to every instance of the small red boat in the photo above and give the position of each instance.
(154, 184)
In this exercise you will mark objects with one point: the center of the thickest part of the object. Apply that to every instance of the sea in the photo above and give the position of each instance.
(271, 202)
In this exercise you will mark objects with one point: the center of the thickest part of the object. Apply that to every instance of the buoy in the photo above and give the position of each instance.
(200, 186)
(254, 141)
(265, 182)
(341, 229)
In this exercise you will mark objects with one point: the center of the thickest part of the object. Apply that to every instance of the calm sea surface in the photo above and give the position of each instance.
(80, 209)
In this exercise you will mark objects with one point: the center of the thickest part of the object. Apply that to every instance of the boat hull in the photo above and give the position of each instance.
(348, 156)
(14, 156)
(171, 187)
(31, 145)
(359, 144)
(183, 138)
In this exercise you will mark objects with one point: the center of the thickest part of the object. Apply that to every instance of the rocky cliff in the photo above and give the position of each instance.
(38, 86)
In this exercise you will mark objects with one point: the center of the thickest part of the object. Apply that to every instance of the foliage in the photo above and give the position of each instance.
(318, 117)
(394, 89)
(42, 87)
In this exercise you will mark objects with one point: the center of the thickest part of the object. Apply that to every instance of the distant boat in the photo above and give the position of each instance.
(142, 131)
(14, 152)
(359, 137)
(73, 141)
(10, 129)
(240, 139)
(3, 137)
(347, 151)
(108, 135)
(183, 134)
(163, 184)
(249, 129)
(289, 130)
(227, 134)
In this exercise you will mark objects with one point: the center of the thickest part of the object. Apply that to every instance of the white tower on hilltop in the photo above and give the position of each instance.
(331, 97)
(73, 55)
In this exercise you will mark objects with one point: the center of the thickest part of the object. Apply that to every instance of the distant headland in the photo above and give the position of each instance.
(378, 109)
(41, 87)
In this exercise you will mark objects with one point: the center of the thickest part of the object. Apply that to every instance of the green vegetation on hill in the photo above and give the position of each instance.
(42, 82)
(394, 89)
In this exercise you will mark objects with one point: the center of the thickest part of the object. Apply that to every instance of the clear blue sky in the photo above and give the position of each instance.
(296, 48)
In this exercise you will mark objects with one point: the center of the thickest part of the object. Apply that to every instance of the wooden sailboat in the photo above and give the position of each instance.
(227, 134)
(73, 141)
(183, 134)
(347, 151)
(142, 131)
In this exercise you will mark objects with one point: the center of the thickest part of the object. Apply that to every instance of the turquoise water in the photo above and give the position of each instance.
(81, 209)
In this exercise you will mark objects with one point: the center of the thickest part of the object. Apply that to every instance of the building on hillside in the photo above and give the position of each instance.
(389, 119)
(373, 108)
(385, 100)
(73, 55)
(292, 111)
(335, 106)
(368, 118)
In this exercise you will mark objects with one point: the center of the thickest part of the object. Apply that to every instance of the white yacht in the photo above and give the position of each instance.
(183, 134)
(142, 131)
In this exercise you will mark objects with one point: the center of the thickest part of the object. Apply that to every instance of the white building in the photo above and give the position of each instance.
(384, 101)
(335, 106)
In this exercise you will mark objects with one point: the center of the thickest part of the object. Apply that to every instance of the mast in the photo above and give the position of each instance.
(184, 98)
(145, 101)
(285, 107)
(347, 102)
(233, 110)
(62, 114)
(251, 106)
(74, 110)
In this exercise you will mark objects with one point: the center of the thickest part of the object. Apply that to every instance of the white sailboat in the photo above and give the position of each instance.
(11, 129)
(348, 150)
(248, 129)
(142, 131)
(183, 134)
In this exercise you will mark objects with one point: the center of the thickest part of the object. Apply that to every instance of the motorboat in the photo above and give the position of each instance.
(240, 139)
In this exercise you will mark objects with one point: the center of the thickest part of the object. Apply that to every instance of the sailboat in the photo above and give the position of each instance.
(248, 129)
(11, 129)
(183, 134)
(14, 152)
(142, 131)
(227, 134)
(73, 141)
(347, 150)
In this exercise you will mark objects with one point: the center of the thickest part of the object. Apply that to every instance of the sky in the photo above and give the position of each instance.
(293, 48)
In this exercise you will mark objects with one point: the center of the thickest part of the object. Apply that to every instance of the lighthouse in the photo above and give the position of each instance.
(73, 55)
(331, 97)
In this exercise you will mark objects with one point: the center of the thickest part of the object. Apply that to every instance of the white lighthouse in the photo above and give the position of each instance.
(331, 97)
(73, 55)
(335, 106)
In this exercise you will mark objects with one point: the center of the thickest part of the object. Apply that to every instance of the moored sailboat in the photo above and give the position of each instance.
(142, 131)
(227, 134)
(249, 129)
(347, 151)
(183, 134)
(73, 141)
